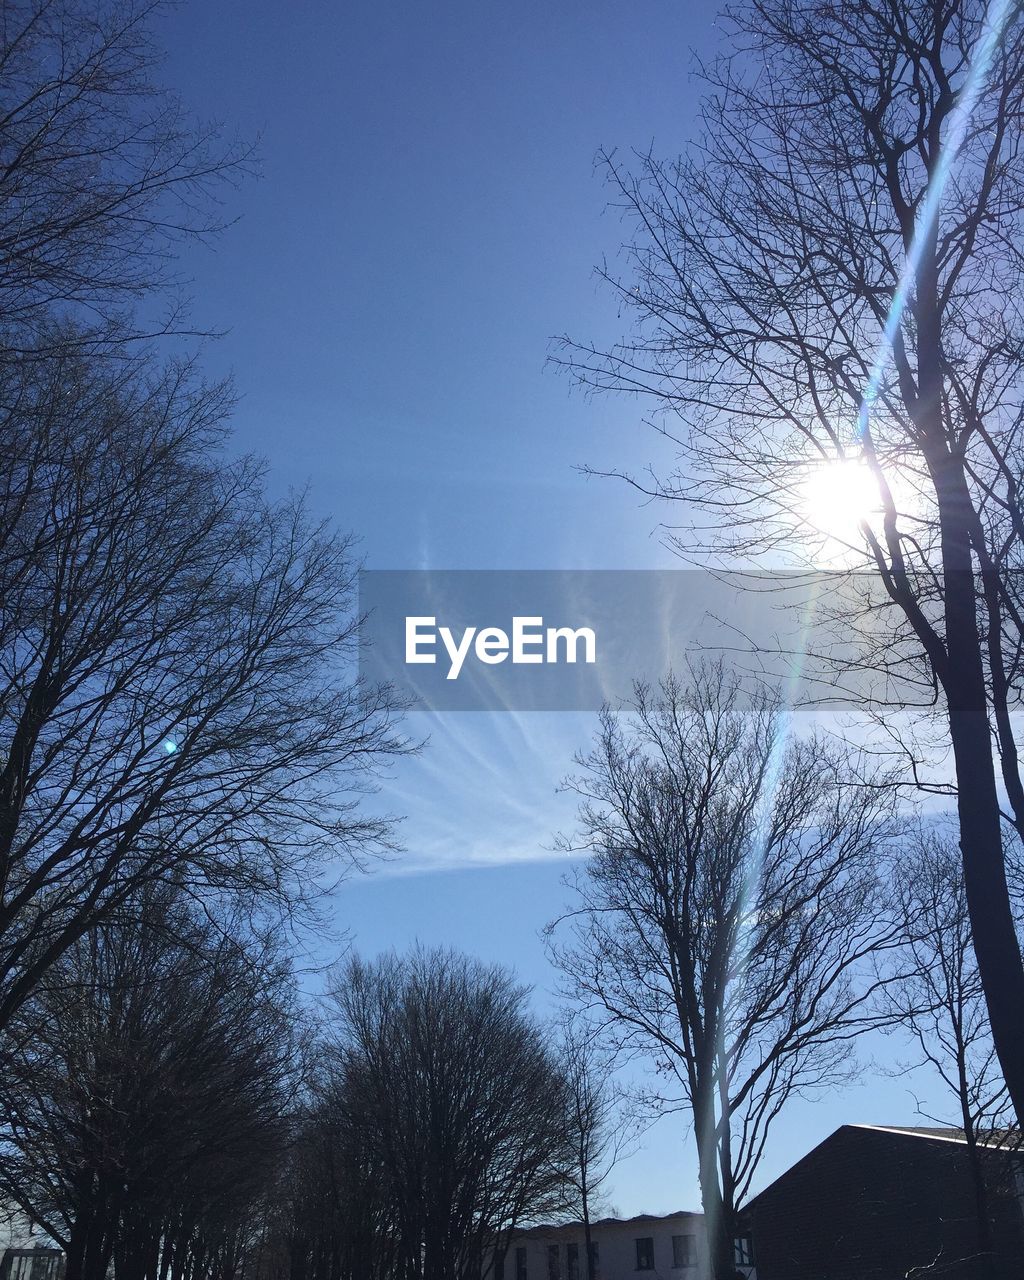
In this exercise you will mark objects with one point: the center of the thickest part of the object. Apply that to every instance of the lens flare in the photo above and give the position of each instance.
(984, 55)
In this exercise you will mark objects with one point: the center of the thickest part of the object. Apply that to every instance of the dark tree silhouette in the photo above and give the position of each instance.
(728, 914)
(455, 1091)
(835, 272)
(329, 1217)
(102, 172)
(600, 1130)
(938, 998)
(177, 690)
(145, 1091)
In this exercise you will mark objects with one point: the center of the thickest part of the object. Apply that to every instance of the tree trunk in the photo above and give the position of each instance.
(992, 926)
(74, 1262)
(988, 900)
(717, 1219)
(984, 1226)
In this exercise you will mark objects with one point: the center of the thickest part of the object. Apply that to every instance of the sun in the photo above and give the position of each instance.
(838, 497)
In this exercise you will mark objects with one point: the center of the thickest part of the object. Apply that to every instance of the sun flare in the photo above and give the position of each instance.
(839, 496)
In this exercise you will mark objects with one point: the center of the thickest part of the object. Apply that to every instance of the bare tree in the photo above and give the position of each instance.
(453, 1085)
(727, 914)
(145, 1092)
(600, 1132)
(938, 999)
(177, 694)
(835, 273)
(329, 1217)
(101, 171)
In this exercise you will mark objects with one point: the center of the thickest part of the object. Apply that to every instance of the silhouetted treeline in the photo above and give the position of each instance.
(169, 1117)
(438, 1125)
(148, 1088)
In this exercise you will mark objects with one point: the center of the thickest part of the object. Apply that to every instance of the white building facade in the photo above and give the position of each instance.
(26, 1252)
(669, 1247)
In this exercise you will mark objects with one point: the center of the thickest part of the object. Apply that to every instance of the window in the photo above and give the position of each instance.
(572, 1261)
(554, 1271)
(521, 1263)
(743, 1251)
(499, 1266)
(595, 1259)
(645, 1253)
(684, 1251)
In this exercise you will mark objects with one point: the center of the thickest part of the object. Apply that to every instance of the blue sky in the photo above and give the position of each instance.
(428, 217)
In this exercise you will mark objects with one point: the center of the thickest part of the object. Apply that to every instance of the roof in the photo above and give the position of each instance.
(640, 1219)
(916, 1131)
(1006, 1138)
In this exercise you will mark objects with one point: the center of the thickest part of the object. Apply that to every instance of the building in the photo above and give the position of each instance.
(673, 1246)
(26, 1253)
(875, 1203)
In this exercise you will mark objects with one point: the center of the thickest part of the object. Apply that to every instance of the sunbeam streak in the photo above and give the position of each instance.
(985, 51)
